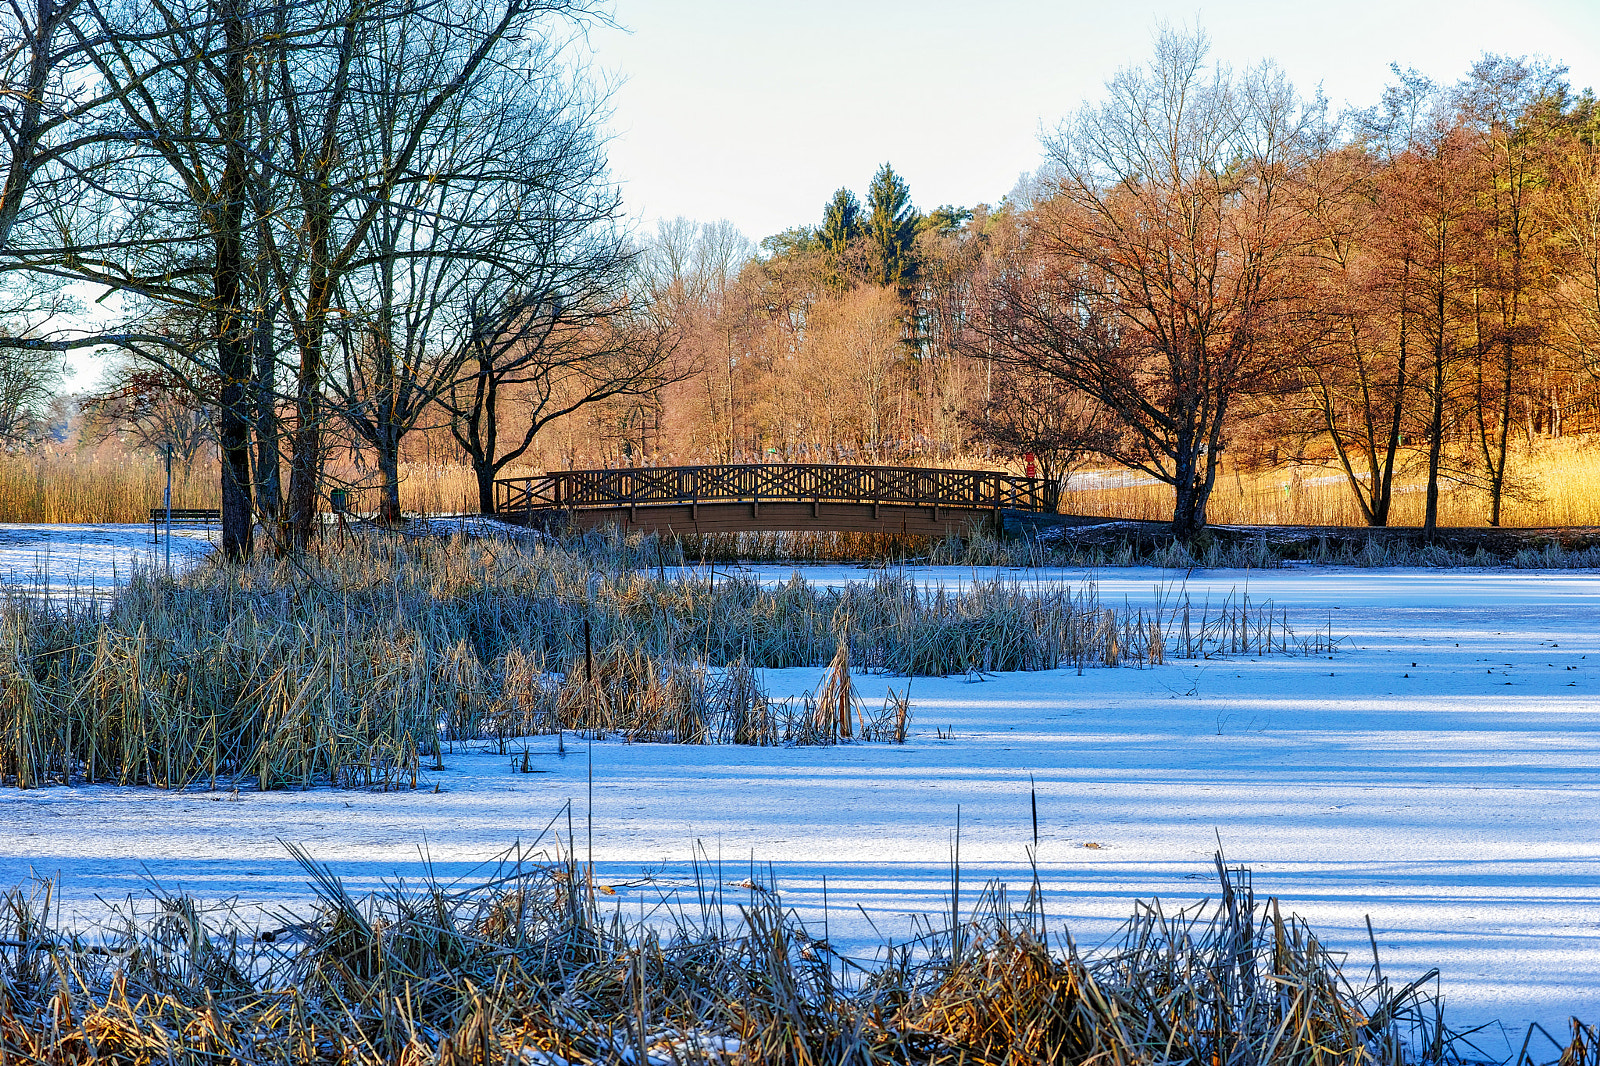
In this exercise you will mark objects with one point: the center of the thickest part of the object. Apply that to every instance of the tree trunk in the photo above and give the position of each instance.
(1346, 461)
(1188, 515)
(233, 433)
(233, 339)
(1430, 520)
(389, 470)
(1497, 466)
(268, 473)
(305, 456)
(481, 437)
(305, 453)
(485, 472)
(1381, 505)
(1189, 505)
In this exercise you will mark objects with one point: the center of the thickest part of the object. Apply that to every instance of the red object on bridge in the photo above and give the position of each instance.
(1030, 470)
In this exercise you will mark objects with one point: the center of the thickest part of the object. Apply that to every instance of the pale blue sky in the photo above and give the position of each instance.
(756, 111)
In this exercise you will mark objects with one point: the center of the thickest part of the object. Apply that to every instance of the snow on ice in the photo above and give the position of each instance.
(90, 559)
(1439, 774)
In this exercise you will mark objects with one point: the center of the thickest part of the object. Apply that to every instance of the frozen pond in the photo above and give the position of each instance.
(91, 559)
(1441, 774)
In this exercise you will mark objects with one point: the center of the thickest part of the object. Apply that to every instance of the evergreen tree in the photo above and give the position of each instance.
(841, 226)
(944, 220)
(891, 230)
(794, 241)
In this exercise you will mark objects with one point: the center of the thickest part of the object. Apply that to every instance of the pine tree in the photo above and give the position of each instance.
(944, 220)
(891, 230)
(841, 226)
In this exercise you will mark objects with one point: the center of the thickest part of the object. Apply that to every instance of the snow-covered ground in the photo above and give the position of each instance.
(91, 559)
(1441, 774)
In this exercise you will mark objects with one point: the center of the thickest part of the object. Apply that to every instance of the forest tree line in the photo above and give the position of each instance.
(1207, 265)
(336, 225)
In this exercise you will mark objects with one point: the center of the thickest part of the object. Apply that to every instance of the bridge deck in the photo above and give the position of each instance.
(771, 497)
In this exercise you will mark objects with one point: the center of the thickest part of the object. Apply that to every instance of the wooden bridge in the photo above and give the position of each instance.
(771, 497)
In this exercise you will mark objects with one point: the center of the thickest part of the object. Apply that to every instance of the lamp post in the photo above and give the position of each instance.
(166, 500)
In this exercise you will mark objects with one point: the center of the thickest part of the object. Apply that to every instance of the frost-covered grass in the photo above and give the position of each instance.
(1118, 543)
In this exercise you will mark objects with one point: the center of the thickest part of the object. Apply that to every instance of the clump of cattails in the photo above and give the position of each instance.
(353, 667)
(534, 968)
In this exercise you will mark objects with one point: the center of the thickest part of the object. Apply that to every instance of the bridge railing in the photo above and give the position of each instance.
(769, 482)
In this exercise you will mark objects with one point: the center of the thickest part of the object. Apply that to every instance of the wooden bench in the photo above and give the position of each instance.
(182, 516)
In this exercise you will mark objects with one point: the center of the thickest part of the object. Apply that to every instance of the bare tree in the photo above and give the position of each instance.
(1034, 413)
(851, 356)
(379, 121)
(219, 170)
(1512, 107)
(950, 249)
(468, 227)
(1572, 217)
(691, 274)
(155, 407)
(137, 184)
(574, 340)
(1429, 222)
(1161, 260)
(1353, 345)
(27, 386)
(1357, 340)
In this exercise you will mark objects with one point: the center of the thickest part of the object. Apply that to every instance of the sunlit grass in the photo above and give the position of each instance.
(111, 487)
(1555, 484)
(85, 487)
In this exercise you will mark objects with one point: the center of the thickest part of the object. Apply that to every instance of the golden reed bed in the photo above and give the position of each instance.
(1555, 484)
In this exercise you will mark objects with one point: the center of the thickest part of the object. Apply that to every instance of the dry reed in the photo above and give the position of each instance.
(526, 969)
(1554, 484)
(92, 488)
(349, 667)
(96, 487)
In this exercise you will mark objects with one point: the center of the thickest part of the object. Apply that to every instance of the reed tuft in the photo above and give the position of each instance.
(527, 968)
(352, 666)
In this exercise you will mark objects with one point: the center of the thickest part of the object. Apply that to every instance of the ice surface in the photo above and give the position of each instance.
(91, 558)
(1440, 774)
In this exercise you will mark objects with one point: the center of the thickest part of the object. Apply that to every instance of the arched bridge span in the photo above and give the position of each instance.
(764, 497)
